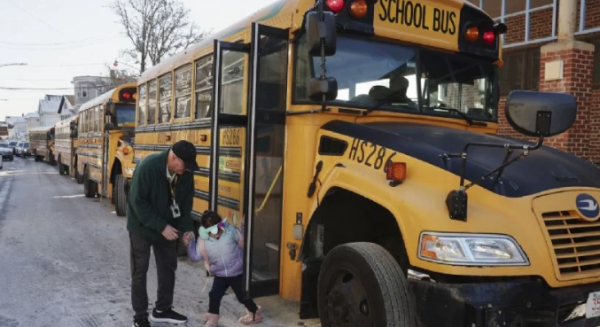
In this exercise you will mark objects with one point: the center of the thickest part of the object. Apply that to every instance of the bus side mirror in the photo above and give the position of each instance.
(109, 127)
(540, 113)
(317, 29)
(318, 87)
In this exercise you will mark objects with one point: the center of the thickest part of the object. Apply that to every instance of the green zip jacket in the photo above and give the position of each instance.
(148, 207)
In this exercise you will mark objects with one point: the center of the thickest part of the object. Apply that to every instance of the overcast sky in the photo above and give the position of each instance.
(60, 39)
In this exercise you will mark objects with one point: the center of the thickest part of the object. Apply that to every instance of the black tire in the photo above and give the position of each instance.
(89, 186)
(61, 169)
(78, 177)
(120, 196)
(361, 285)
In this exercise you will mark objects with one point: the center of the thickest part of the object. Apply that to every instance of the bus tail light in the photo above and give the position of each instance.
(472, 34)
(489, 37)
(396, 171)
(358, 8)
(335, 5)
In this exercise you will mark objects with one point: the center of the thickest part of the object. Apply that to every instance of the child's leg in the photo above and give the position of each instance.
(236, 284)
(220, 285)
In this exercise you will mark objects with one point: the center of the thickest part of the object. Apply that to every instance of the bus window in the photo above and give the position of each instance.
(203, 86)
(366, 70)
(232, 73)
(453, 82)
(125, 114)
(142, 118)
(152, 102)
(183, 91)
(164, 98)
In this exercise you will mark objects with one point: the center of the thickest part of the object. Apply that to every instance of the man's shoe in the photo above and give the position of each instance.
(169, 316)
(141, 322)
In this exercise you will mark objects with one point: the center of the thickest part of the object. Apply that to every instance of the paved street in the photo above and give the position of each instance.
(64, 260)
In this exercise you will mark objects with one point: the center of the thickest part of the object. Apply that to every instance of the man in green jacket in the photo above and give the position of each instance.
(158, 212)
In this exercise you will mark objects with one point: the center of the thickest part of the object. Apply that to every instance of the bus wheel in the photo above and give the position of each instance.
(361, 285)
(120, 196)
(88, 185)
(78, 177)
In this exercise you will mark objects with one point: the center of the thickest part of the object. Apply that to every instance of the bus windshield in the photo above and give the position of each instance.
(372, 74)
(125, 114)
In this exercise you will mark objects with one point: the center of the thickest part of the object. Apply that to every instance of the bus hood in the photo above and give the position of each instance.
(543, 169)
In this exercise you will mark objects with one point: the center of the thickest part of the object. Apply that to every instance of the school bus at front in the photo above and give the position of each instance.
(361, 208)
(105, 153)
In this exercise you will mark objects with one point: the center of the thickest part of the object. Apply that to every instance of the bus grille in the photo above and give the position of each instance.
(576, 243)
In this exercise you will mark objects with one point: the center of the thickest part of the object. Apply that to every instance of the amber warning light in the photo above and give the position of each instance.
(395, 172)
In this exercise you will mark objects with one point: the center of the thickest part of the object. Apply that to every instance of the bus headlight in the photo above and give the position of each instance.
(471, 249)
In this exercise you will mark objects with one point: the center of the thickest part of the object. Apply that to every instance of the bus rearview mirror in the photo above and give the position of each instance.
(540, 113)
(317, 87)
(317, 29)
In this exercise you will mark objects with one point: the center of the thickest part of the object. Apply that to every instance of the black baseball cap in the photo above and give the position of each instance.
(186, 151)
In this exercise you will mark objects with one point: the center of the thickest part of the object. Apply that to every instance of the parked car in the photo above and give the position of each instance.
(23, 149)
(6, 151)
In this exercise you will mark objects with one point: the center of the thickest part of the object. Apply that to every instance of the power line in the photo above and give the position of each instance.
(2, 46)
(99, 37)
(39, 20)
(72, 65)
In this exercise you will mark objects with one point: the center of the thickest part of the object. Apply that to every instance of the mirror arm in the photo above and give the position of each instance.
(323, 34)
(526, 149)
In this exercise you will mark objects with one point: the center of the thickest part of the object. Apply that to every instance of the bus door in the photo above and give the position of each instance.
(262, 175)
(104, 149)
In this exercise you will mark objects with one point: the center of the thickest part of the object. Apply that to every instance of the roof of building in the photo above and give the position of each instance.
(32, 115)
(66, 102)
(50, 104)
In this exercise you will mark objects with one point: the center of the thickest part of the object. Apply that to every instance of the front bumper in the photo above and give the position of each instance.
(522, 303)
(6, 155)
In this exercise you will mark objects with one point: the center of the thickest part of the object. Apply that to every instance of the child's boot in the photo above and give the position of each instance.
(252, 318)
(212, 320)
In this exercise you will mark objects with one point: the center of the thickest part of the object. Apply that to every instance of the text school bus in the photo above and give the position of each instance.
(65, 146)
(105, 153)
(374, 189)
(41, 143)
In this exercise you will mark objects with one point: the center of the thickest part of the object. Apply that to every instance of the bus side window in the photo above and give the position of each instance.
(152, 102)
(142, 109)
(204, 81)
(183, 91)
(164, 98)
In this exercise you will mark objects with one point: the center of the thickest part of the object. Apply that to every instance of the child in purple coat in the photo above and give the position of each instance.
(220, 246)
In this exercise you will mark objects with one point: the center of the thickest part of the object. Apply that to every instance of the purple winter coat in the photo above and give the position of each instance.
(224, 254)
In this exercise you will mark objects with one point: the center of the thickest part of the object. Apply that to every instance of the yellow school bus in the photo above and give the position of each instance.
(41, 143)
(65, 146)
(104, 154)
(365, 163)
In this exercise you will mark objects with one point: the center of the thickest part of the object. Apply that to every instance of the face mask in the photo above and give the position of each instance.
(214, 229)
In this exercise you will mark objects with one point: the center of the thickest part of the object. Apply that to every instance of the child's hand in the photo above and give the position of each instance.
(187, 237)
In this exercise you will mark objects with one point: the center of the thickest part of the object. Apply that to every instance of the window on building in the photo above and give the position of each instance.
(204, 91)
(521, 71)
(183, 91)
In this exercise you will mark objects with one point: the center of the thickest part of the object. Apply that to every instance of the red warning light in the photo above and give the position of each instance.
(126, 95)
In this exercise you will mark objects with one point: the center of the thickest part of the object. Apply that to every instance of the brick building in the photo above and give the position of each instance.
(550, 46)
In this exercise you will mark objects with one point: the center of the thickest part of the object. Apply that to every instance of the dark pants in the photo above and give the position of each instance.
(220, 285)
(165, 254)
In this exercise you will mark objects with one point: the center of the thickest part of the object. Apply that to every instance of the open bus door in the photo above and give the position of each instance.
(262, 153)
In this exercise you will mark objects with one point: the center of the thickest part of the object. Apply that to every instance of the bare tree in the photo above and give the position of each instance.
(156, 28)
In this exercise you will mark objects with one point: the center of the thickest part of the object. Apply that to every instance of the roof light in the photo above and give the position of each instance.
(358, 8)
(489, 37)
(472, 34)
(335, 5)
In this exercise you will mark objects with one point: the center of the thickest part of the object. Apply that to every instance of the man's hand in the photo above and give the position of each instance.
(170, 233)
(187, 237)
